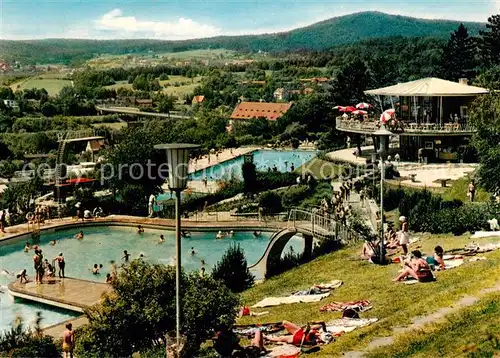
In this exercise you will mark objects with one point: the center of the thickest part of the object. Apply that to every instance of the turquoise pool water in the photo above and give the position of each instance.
(103, 244)
(263, 159)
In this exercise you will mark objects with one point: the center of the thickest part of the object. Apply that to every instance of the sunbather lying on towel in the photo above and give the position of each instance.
(436, 261)
(417, 268)
(299, 336)
(226, 343)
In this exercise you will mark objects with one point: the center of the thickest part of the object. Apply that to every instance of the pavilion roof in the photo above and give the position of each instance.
(429, 87)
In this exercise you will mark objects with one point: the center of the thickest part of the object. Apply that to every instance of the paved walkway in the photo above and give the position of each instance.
(202, 222)
(212, 159)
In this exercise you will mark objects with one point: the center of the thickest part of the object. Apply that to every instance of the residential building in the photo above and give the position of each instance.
(12, 104)
(198, 99)
(250, 110)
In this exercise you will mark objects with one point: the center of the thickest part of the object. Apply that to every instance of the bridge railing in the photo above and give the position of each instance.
(317, 222)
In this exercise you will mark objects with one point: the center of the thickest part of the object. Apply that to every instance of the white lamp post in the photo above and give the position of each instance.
(383, 135)
(178, 164)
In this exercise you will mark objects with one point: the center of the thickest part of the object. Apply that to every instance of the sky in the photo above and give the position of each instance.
(185, 19)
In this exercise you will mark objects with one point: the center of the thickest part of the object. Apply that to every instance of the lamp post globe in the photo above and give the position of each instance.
(178, 165)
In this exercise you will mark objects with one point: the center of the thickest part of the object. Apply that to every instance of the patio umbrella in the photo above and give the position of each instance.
(363, 105)
(348, 109)
(359, 111)
(387, 115)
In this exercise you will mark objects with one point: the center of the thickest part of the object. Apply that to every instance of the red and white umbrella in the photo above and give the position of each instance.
(339, 107)
(348, 109)
(359, 111)
(387, 115)
(363, 105)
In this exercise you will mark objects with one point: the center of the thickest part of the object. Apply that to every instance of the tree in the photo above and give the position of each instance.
(485, 118)
(49, 109)
(249, 177)
(351, 82)
(270, 202)
(233, 270)
(166, 103)
(458, 60)
(490, 41)
(127, 171)
(141, 310)
(141, 83)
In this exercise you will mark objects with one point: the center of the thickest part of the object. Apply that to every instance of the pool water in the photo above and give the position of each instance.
(263, 160)
(102, 244)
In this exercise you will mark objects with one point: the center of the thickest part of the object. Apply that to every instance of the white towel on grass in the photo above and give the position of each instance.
(276, 301)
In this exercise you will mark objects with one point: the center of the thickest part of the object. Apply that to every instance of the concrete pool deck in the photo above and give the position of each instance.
(67, 293)
(210, 223)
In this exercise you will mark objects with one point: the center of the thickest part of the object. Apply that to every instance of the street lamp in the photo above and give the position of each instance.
(178, 164)
(383, 138)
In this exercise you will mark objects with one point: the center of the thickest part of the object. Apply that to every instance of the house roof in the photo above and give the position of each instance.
(249, 110)
(315, 79)
(431, 87)
(95, 145)
(144, 101)
(198, 99)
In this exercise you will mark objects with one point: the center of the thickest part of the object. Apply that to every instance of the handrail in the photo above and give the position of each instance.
(372, 126)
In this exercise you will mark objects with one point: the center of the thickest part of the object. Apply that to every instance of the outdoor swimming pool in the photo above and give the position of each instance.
(263, 160)
(102, 244)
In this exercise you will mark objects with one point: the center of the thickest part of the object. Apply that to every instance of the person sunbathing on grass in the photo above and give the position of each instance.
(436, 261)
(417, 268)
(227, 344)
(299, 336)
(370, 249)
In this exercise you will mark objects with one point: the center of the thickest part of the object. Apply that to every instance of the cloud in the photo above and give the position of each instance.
(115, 24)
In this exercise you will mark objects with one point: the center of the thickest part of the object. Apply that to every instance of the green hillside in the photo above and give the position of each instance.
(326, 34)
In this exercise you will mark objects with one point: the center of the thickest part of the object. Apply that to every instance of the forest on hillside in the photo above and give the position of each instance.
(339, 31)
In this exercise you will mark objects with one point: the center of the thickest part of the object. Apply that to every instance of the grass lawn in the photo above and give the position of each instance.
(394, 304)
(458, 190)
(473, 331)
(52, 85)
(321, 169)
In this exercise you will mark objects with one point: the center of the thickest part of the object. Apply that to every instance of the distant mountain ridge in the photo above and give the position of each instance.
(319, 36)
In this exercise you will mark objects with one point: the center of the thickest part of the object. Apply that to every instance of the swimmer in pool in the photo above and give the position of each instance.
(126, 256)
(52, 242)
(257, 233)
(140, 229)
(95, 270)
(219, 235)
(27, 247)
(79, 236)
(192, 251)
(185, 233)
(162, 239)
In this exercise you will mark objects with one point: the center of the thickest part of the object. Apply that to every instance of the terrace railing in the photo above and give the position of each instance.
(370, 126)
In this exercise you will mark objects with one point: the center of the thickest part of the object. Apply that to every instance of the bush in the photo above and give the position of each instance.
(18, 342)
(293, 196)
(270, 202)
(141, 310)
(233, 270)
